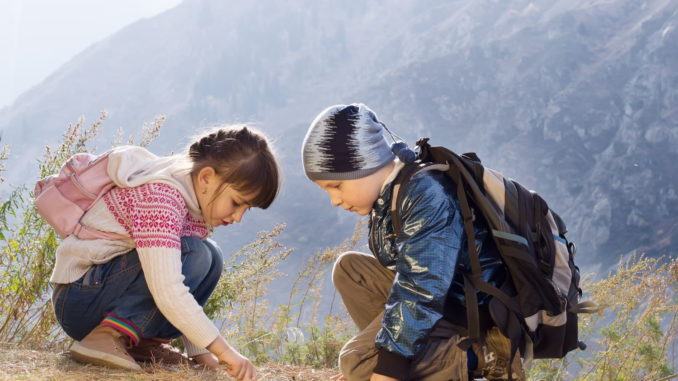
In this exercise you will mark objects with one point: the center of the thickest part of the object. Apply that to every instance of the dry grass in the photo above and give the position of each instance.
(23, 364)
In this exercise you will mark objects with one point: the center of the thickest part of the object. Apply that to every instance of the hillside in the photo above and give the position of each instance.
(576, 99)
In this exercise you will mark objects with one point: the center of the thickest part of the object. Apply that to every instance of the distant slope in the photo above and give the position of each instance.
(576, 99)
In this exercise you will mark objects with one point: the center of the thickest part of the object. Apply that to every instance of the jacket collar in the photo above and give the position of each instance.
(383, 201)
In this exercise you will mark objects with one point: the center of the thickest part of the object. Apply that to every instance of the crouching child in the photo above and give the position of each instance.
(407, 296)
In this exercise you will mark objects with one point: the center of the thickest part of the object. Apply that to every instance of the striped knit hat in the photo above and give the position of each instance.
(345, 142)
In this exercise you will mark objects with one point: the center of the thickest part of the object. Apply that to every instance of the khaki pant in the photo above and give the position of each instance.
(364, 286)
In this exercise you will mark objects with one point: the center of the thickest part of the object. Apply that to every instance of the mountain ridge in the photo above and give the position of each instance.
(576, 99)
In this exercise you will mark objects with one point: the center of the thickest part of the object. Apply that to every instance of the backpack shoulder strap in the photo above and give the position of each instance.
(467, 173)
(399, 184)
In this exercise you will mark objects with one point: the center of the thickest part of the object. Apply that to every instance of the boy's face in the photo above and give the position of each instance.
(356, 195)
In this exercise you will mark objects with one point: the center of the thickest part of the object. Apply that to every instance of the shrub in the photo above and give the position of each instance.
(634, 336)
(28, 244)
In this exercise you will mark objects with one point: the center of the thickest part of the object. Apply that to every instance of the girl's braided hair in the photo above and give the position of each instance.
(242, 158)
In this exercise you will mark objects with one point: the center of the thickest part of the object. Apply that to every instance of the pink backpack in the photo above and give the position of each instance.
(63, 199)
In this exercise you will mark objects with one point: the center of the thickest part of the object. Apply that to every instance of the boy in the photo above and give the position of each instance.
(407, 298)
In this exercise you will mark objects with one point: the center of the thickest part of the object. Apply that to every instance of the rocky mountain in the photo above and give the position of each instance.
(576, 99)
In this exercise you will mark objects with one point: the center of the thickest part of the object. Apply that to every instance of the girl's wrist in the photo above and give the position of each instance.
(206, 359)
(218, 347)
(222, 350)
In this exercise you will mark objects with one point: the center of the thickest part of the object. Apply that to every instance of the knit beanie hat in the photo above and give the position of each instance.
(345, 142)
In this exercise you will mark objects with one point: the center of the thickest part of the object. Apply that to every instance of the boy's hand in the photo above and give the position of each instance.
(207, 360)
(380, 377)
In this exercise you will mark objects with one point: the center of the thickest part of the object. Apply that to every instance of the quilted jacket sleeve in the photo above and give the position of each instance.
(428, 248)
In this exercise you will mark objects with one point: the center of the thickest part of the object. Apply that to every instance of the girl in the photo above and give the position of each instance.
(124, 299)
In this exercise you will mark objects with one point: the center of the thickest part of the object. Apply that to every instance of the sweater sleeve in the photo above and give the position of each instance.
(154, 215)
(162, 270)
(191, 349)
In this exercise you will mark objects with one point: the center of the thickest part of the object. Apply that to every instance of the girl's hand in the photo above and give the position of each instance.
(237, 365)
(338, 377)
(207, 360)
(379, 377)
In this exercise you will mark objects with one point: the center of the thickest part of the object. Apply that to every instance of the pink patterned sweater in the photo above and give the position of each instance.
(154, 205)
(154, 215)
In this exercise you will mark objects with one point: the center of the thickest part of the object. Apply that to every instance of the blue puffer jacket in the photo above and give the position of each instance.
(429, 257)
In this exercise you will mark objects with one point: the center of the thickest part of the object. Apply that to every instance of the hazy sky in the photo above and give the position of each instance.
(38, 36)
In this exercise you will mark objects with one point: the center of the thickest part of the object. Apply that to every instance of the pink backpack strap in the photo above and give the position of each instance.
(84, 232)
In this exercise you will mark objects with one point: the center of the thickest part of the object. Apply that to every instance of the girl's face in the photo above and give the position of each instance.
(220, 205)
(356, 195)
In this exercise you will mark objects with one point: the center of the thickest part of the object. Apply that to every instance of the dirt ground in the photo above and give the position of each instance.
(21, 364)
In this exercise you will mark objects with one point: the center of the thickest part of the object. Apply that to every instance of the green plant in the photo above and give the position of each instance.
(28, 244)
(238, 300)
(287, 333)
(634, 336)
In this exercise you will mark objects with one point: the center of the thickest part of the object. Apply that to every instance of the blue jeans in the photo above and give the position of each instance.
(118, 288)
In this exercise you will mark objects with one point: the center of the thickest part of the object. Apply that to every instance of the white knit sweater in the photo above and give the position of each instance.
(154, 205)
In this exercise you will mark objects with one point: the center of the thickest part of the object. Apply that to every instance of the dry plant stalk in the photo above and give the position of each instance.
(283, 334)
(4, 154)
(149, 132)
